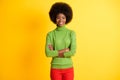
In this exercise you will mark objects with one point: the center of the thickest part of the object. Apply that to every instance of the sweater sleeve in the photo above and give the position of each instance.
(48, 52)
(72, 46)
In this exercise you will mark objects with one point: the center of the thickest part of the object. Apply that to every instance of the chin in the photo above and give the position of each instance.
(60, 25)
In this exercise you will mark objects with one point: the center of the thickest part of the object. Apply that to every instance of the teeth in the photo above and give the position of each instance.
(61, 22)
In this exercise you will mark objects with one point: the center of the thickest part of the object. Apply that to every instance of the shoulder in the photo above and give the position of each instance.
(50, 33)
(71, 31)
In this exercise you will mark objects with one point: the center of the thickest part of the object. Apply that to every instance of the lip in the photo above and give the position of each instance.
(60, 22)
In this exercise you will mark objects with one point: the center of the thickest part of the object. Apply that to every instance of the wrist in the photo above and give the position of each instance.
(61, 55)
(67, 49)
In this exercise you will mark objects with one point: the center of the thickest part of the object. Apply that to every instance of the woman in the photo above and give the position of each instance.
(61, 43)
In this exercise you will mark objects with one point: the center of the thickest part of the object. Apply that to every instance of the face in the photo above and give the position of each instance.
(60, 19)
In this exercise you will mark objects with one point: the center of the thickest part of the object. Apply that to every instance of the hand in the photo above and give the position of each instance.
(50, 47)
(61, 55)
(61, 52)
(67, 50)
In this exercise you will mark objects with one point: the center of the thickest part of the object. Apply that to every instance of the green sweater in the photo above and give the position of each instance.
(61, 38)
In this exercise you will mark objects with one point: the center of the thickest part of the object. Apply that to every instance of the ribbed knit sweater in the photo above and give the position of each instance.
(61, 38)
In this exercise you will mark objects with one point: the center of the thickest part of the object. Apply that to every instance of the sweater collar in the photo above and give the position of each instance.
(61, 28)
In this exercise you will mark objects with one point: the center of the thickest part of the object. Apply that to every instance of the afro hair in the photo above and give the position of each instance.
(60, 7)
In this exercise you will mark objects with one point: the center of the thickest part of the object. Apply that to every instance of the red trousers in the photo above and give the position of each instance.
(62, 74)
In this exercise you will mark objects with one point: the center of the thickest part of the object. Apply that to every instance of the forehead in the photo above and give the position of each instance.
(61, 15)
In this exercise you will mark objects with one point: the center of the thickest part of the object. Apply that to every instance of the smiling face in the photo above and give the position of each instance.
(61, 19)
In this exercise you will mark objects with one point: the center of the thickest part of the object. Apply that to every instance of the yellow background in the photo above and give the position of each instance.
(25, 23)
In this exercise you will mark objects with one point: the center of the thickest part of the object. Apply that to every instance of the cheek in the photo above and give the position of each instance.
(64, 21)
(56, 21)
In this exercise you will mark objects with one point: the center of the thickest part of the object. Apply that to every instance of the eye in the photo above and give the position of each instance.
(63, 17)
(58, 18)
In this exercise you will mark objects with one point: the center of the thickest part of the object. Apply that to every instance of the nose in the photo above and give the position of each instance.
(60, 19)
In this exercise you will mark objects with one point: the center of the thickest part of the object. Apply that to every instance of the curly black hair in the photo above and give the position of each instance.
(60, 7)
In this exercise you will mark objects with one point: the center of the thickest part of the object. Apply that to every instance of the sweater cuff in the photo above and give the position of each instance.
(55, 52)
(66, 54)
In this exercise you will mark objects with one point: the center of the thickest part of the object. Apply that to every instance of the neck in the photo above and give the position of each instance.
(61, 27)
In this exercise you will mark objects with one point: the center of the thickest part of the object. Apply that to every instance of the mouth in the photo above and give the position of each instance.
(60, 22)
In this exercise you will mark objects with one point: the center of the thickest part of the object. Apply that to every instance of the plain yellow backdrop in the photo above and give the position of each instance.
(25, 23)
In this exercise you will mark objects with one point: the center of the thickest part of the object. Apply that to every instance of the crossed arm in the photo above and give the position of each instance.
(60, 52)
(67, 52)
